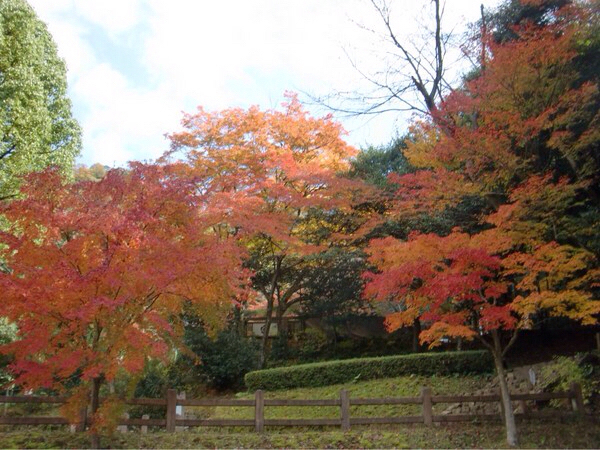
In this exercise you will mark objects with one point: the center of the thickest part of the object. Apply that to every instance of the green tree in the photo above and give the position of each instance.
(36, 126)
(333, 290)
(221, 361)
(374, 164)
(511, 14)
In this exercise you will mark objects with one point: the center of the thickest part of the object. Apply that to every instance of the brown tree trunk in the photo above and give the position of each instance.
(509, 416)
(95, 404)
(459, 344)
(281, 329)
(416, 329)
(269, 313)
(265, 337)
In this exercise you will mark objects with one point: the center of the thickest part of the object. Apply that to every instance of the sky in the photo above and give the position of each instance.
(134, 66)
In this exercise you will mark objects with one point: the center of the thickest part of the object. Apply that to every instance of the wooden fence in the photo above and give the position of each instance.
(172, 421)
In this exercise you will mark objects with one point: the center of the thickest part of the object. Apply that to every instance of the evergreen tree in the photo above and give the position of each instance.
(36, 126)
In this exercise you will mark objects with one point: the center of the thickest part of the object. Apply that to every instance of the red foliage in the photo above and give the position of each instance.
(98, 271)
(514, 135)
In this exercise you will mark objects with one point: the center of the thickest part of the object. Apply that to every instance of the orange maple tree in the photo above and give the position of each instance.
(522, 135)
(270, 170)
(97, 273)
(531, 110)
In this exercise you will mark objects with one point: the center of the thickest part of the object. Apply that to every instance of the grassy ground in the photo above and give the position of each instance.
(556, 434)
(408, 386)
(532, 435)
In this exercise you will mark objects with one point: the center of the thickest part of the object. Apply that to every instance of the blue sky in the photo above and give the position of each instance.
(136, 65)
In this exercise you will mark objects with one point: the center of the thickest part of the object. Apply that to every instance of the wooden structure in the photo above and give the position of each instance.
(255, 326)
(172, 421)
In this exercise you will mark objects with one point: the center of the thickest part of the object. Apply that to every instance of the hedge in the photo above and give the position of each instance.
(342, 371)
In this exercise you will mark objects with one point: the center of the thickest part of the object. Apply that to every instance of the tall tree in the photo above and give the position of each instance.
(533, 111)
(283, 164)
(333, 291)
(98, 271)
(36, 126)
(521, 135)
(373, 164)
(510, 15)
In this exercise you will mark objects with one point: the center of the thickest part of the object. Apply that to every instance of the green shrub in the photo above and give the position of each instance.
(335, 372)
(312, 343)
(281, 350)
(226, 359)
(558, 376)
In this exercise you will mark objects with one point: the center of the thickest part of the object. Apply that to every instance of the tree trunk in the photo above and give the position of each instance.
(281, 328)
(333, 326)
(269, 313)
(416, 329)
(265, 336)
(509, 416)
(95, 404)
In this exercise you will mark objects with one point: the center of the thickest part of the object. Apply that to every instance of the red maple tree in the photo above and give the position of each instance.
(97, 273)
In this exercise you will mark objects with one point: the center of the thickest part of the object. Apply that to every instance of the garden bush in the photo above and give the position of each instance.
(582, 369)
(335, 372)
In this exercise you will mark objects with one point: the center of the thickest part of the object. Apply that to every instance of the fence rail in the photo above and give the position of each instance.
(173, 421)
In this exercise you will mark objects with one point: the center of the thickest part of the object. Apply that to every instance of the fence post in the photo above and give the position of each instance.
(259, 411)
(345, 409)
(80, 426)
(171, 410)
(427, 406)
(123, 428)
(144, 428)
(180, 411)
(576, 398)
(524, 407)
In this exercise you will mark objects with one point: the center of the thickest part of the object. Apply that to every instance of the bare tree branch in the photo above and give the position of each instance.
(414, 77)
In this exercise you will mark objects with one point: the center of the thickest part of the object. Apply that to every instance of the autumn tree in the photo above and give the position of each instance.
(36, 126)
(533, 111)
(95, 172)
(465, 287)
(97, 272)
(520, 136)
(282, 165)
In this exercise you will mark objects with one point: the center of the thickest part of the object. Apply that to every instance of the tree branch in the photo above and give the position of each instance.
(8, 152)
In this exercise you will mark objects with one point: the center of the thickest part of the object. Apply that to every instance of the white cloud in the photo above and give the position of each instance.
(114, 16)
(218, 54)
(134, 118)
(68, 35)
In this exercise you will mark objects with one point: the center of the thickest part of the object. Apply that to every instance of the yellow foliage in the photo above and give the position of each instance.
(439, 330)
(420, 150)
